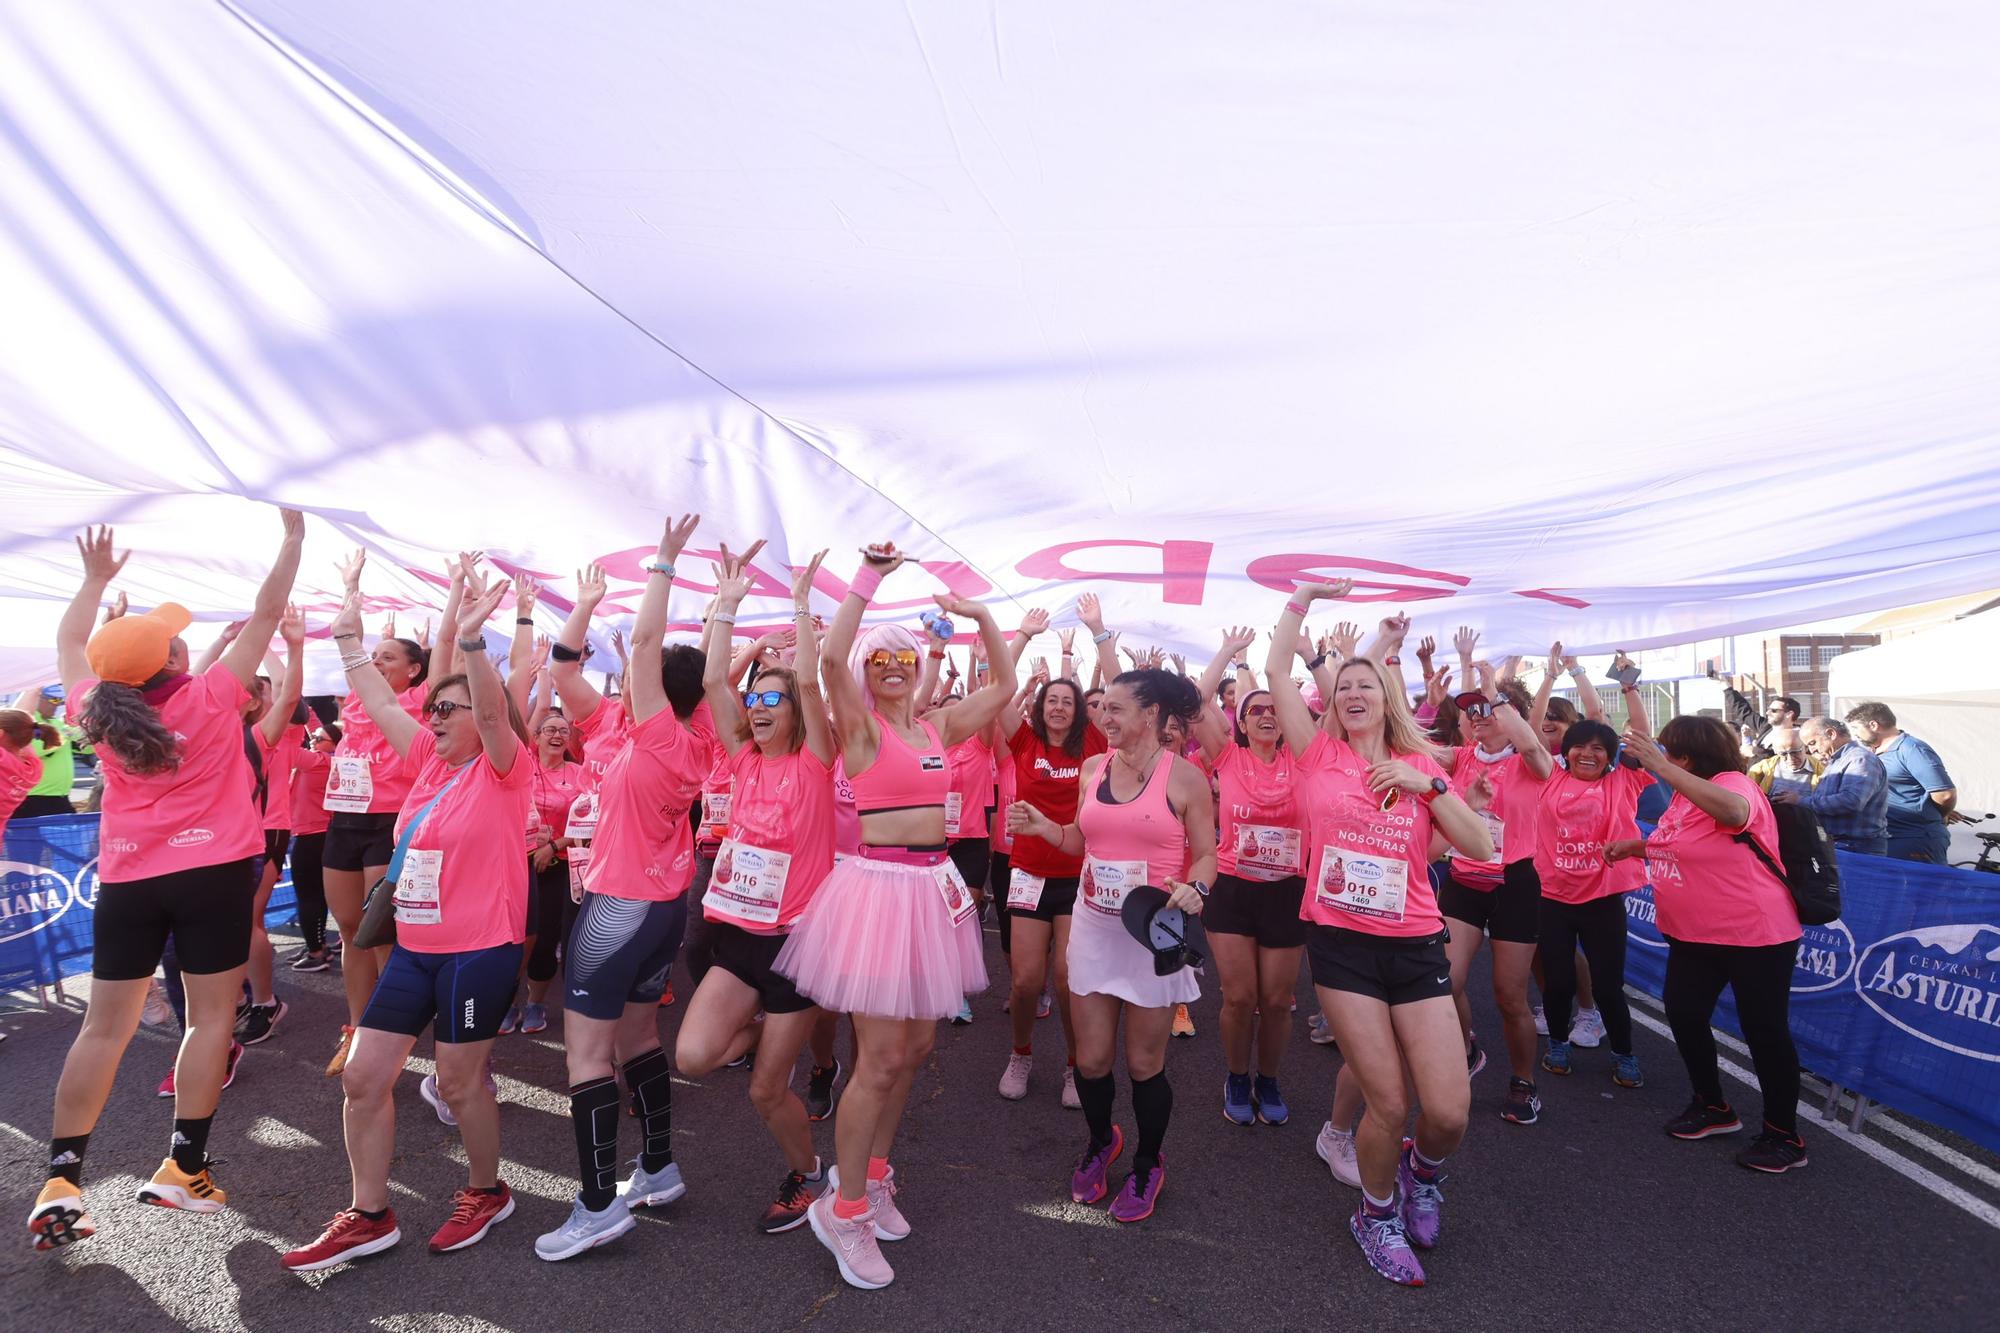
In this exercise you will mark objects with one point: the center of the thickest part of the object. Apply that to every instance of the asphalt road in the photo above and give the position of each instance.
(1593, 1218)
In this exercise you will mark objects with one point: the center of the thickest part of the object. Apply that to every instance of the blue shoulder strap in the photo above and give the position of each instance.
(410, 830)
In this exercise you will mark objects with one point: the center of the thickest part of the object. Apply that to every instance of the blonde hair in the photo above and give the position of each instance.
(1399, 724)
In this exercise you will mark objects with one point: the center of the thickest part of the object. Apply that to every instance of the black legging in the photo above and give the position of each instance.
(1599, 925)
(309, 887)
(1760, 978)
(553, 914)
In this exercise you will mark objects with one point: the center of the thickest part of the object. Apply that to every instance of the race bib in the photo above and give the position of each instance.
(1025, 890)
(579, 862)
(534, 830)
(714, 813)
(416, 896)
(1105, 883)
(748, 883)
(1267, 853)
(350, 784)
(1376, 886)
(951, 887)
(582, 825)
(954, 806)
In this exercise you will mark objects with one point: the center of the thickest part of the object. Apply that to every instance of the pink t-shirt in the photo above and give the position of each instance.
(1575, 821)
(1370, 866)
(555, 790)
(1710, 889)
(1005, 793)
(971, 789)
(1262, 829)
(19, 770)
(309, 812)
(1509, 816)
(782, 805)
(717, 788)
(200, 813)
(360, 737)
(604, 733)
(279, 762)
(644, 848)
(481, 876)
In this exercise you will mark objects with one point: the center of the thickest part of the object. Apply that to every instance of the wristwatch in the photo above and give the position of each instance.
(477, 645)
(1438, 788)
(1198, 887)
(1316, 663)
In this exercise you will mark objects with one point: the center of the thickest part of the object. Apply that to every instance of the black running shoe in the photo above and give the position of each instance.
(257, 1024)
(788, 1210)
(1523, 1105)
(1701, 1121)
(1774, 1153)
(819, 1090)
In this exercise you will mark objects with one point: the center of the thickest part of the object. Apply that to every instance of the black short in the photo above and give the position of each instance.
(37, 807)
(1267, 911)
(1058, 897)
(358, 842)
(1510, 911)
(1396, 969)
(1002, 867)
(748, 956)
(462, 997)
(973, 857)
(277, 841)
(546, 888)
(206, 911)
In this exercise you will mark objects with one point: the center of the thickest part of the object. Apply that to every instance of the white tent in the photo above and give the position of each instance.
(1944, 686)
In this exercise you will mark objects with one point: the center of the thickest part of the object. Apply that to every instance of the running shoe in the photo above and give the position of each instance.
(473, 1214)
(1701, 1121)
(1541, 1022)
(534, 1018)
(349, 1235)
(651, 1189)
(1773, 1152)
(159, 1011)
(235, 1059)
(1523, 1105)
(58, 1217)
(1587, 1030)
(1183, 1022)
(339, 1060)
(166, 1088)
(260, 1021)
(510, 1024)
(1236, 1107)
(1141, 1191)
(819, 1090)
(1423, 1201)
(172, 1187)
(1336, 1148)
(1045, 1005)
(852, 1240)
(667, 995)
(1475, 1058)
(964, 1015)
(428, 1090)
(1014, 1079)
(1556, 1059)
(795, 1194)
(1625, 1071)
(747, 1060)
(889, 1222)
(1069, 1094)
(1087, 1182)
(1271, 1108)
(1385, 1245)
(1320, 1032)
(311, 962)
(585, 1230)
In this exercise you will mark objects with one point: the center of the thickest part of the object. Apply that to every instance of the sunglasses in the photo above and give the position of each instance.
(444, 708)
(1473, 704)
(1260, 710)
(902, 657)
(768, 698)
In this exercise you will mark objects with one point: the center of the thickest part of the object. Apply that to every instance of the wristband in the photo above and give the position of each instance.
(1102, 636)
(866, 580)
(1578, 672)
(524, 620)
(1313, 665)
(1392, 660)
(477, 645)
(346, 636)
(1239, 666)
(1296, 605)
(355, 661)
(936, 655)
(723, 618)
(562, 652)
(660, 567)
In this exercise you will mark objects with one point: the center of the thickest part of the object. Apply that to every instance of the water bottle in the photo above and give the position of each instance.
(937, 623)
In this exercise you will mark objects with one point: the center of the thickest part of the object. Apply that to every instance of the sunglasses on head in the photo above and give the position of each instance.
(1473, 704)
(768, 698)
(902, 657)
(444, 708)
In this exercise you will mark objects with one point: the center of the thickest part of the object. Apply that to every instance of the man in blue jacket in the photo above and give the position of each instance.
(1851, 797)
(1921, 793)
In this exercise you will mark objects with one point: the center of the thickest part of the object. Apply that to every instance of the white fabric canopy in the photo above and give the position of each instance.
(1941, 686)
(1614, 324)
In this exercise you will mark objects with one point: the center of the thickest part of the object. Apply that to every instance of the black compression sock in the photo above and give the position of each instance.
(593, 1113)
(1153, 1106)
(1098, 1096)
(651, 1080)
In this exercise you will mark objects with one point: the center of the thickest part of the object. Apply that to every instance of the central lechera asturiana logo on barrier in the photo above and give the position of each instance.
(1940, 984)
(1826, 958)
(1642, 925)
(32, 898)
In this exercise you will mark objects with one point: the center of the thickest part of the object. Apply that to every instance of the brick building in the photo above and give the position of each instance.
(1796, 664)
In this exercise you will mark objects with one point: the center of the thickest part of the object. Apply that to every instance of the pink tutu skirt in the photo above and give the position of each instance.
(878, 939)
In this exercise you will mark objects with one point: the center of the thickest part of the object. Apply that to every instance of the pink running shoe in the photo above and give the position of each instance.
(1087, 1183)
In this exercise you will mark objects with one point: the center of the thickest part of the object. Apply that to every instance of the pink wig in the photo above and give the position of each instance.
(891, 637)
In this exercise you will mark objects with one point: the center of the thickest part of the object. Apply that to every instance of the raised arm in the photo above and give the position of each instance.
(489, 693)
(1091, 613)
(1295, 720)
(1729, 809)
(1527, 742)
(444, 657)
(1212, 729)
(100, 566)
(580, 699)
(1635, 702)
(398, 727)
(243, 656)
(978, 709)
(649, 627)
(521, 648)
(851, 722)
(291, 684)
(805, 664)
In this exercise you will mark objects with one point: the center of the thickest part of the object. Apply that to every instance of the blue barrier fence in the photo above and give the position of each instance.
(48, 898)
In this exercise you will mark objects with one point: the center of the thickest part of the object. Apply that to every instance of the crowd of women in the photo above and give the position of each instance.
(821, 817)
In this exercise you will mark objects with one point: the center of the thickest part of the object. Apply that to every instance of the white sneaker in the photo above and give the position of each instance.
(1587, 1030)
(1319, 1031)
(158, 1012)
(1069, 1097)
(1541, 1022)
(428, 1090)
(585, 1230)
(1014, 1083)
(1336, 1149)
(1046, 1005)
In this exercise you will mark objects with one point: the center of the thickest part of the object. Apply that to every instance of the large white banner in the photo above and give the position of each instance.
(1616, 324)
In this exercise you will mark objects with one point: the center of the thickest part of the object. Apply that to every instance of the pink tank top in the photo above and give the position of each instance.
(902, 778)
(1143, 829)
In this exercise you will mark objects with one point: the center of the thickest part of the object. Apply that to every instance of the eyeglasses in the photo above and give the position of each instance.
(1260, 710)
(444, 708)
(768, 698)
(902, 657)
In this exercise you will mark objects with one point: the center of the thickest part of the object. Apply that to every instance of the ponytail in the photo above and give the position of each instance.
(117, 719)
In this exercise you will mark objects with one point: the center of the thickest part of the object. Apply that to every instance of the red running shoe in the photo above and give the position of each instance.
(473, 1214)
(348, 1236)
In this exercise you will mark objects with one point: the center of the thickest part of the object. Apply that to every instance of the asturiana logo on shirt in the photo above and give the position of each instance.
(191, 837)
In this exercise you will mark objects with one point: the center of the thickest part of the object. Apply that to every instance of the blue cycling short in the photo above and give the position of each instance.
(619, 952)
(467, 993)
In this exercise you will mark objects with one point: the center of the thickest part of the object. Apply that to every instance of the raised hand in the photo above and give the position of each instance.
(526, 593)
(1554, 666)
(481, 602)
(1323, 592)
(732, 577)
(1090, 612)
(116, 609)
(1237, 639)
(424, 635)
(883, 557)
(292, 627)
(674, 539)
(1067, 638)
(99, 564)
(1034, 623)
(618, 646)
(1347, 640)
(1466, 641)
(802, 582)
(1438, 688)
(389, 626)
(591, 585)
(350, 569)
(1426, 649)
(964, 607)
(347, 624)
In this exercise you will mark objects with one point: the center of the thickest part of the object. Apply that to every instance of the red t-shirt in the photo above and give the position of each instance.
(1262, 828)
(1710, 889)
(644, 848)
(780, 841)
(1574, 822)
(464, 885)
(201, 812)
(1047, 778)
(1370, 866)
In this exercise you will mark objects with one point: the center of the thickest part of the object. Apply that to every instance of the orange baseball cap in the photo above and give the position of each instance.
(132, 649)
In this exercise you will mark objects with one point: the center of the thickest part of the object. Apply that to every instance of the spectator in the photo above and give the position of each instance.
(1791, 766)
(50, 796)
(1780, 710)
(1920, 791)
(1851, 797)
